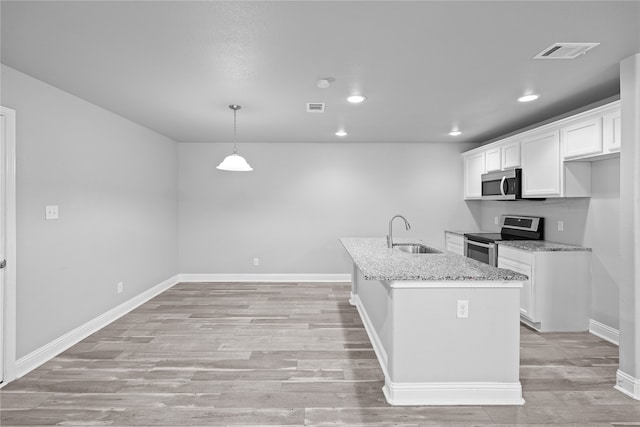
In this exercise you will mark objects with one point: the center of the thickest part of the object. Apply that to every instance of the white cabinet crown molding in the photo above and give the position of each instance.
(551, 124)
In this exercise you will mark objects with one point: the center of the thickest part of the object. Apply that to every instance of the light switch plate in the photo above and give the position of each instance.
(51, 212)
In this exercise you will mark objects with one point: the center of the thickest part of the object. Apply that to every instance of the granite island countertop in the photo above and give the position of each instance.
(377, 262)
(541, 246)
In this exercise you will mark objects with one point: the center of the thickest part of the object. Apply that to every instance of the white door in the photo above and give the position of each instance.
(3, 234)
(7, 244)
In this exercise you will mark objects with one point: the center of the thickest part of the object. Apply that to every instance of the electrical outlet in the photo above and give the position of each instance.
(560, 225)
(51, 212)
(495, 220)
(119, 287)
(256, 261)
(462, 311)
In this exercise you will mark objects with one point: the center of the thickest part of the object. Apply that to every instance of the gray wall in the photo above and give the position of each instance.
(116, 185)
(592, 222)
(301, 198)
(602, 233)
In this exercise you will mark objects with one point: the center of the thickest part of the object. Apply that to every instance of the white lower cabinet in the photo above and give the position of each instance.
(527, 300)
(454, 243)
(556, 296)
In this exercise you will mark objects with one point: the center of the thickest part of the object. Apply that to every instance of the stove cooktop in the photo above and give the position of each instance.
(492, 237)
(514, 227)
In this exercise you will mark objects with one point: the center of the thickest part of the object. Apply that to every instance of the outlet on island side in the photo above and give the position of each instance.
(560, 225)
(256, 261)
(495, 220)
(462, 310)
(119, 287)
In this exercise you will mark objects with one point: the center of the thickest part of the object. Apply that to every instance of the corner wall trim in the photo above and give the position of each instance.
(48, 351)
(267, 278)
(627, 384)
(605, 332)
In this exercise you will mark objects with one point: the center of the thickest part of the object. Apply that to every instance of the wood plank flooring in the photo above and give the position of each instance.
(285, 354)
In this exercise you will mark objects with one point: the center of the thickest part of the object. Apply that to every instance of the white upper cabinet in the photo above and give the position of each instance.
(541, 165)
(474, 167)
(611, 132)
(554, 157)
(510, 155)
(582, 138)
(592, 135)
(492, 159)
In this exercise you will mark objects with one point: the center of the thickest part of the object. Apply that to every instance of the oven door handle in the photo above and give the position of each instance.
(502, 191)
(483, 245)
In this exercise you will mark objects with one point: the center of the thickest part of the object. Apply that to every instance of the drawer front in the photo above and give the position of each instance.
(517, 255)
(454, 243)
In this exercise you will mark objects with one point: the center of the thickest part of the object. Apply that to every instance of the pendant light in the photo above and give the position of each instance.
(234, 162)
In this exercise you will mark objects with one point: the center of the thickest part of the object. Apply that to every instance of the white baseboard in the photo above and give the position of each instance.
(605, 332)
(376, 343)
(627, 384)
(267, 278)
(453, 393)
(48, 351)
(352, 299)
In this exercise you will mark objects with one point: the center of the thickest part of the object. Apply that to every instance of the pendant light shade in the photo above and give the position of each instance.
(234, 162)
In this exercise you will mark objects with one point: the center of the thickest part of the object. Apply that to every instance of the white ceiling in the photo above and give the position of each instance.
(424, 66)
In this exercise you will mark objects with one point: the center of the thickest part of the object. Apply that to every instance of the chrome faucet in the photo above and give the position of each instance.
(390, 235)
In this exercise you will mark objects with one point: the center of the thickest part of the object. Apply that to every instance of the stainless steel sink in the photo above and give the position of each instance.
(415, 248)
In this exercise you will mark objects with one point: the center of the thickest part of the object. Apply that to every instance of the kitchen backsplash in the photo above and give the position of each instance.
(572, 212)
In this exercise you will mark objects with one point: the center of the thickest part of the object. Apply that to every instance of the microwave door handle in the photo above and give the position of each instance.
(502, 181)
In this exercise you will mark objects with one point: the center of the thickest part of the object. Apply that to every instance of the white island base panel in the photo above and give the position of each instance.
(429, 355)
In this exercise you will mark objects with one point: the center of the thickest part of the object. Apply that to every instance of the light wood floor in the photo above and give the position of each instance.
(285, 354)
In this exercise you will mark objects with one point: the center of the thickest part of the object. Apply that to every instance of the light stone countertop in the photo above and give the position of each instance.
(542, 246)
(377, 262)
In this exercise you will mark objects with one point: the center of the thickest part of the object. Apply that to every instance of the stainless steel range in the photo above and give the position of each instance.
(483, 246)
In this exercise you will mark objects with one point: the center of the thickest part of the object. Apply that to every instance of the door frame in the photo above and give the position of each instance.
(9, 309)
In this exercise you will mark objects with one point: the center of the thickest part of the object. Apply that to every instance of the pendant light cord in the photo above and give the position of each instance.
(235, 111)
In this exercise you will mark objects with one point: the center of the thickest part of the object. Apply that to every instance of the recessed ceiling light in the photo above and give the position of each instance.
(528, 98)
(455, 132)
(341, 133)
(356, 99)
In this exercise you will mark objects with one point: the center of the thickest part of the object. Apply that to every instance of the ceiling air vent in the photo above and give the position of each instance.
(315, 107)
(565, 50)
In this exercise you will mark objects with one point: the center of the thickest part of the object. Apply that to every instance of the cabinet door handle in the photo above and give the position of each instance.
(3, 264)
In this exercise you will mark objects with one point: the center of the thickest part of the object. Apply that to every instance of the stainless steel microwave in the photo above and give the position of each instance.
(502, 185)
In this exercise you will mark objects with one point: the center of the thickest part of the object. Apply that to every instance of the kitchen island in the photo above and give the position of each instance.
(445, 328)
